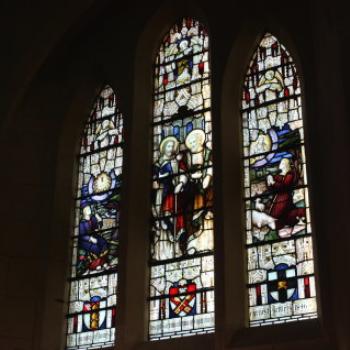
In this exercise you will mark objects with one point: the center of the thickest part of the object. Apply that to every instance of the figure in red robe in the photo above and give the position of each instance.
(169, 179)
(283, 208)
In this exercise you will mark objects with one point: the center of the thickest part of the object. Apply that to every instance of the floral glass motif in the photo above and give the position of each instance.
(281, 281)
(181, 299)
(93, 282)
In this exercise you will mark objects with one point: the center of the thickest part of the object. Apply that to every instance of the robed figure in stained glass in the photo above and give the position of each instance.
(283, 208)
(199, 191)
(169, 180)
(93, 248)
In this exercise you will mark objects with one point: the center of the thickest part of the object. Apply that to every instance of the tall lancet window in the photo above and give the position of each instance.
(281, 281)
(93, 281)
(181, 299)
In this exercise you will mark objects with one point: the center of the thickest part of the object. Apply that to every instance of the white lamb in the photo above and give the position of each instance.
(203, 239)
(259, 205)
(260, 219)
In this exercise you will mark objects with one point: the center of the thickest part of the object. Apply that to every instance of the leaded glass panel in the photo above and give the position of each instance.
(93, 281)
(281, 279)
(181, 301)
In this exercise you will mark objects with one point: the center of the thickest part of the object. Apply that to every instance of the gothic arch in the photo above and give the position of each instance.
(234, 264)
(272, 107)
(96, 230)
(140, 177)
(182, 228)
(230, 272)
(47, 120)
(59, 246)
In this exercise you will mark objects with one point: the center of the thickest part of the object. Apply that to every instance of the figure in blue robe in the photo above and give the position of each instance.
(93, 248)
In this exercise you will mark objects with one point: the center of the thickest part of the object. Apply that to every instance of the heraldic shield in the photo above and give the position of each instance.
(282, 285)
(182, 300)
(93, 318)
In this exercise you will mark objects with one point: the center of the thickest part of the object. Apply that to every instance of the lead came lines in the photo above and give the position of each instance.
(182, 266)
(279, 243)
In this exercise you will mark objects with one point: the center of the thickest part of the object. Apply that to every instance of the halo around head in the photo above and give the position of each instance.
(199, 134)
(287, 162)
(166, 140)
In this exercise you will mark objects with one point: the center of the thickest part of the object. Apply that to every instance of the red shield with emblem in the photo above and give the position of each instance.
(182, 300)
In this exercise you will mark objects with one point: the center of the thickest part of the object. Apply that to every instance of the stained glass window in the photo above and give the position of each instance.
(93, 281)
(181, 301)
(281, 280)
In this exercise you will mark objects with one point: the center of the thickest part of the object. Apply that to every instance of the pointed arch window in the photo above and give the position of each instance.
(181, 301)
(93, 278)
(281, 280)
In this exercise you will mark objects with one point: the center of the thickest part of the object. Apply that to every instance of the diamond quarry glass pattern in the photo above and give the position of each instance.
(93, 281)
(281, 280)
(181, 301)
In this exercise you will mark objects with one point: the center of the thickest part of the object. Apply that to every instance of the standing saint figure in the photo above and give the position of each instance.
(168, 181)
(198, 191)
(283, 208)
(184, 66)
